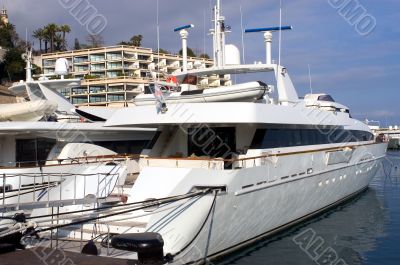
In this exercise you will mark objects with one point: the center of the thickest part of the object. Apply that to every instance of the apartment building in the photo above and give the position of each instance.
(113, 76)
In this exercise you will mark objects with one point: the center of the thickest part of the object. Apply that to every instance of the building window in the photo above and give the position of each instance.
(112, 98)
(81, 59)
(143, 57)
(114, 65)
(49, 63)
(79, 90)
(114, 74)
(79, 100)
(115, 88)
(97, 89)
(114, 56)
(97, 58)
(81, 68)
(94, 99)
(97, 67)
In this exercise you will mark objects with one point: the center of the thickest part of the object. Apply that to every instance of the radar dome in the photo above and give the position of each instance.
(62, 66)
(232, 55)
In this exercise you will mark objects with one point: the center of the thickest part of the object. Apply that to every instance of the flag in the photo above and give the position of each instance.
(160, 101)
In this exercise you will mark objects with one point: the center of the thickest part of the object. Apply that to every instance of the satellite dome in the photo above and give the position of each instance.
(62, 67)
(232, 55)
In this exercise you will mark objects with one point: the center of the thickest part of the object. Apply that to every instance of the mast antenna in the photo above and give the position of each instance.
(242, 29)
(309, 77)
(158, 42)
(280, 32)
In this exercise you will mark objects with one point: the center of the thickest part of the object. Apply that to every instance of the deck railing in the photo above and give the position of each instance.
(69, 161)
(39, 186)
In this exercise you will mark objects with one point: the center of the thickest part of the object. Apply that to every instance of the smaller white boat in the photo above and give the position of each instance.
(244, 92)
(45, 99)
(27, 111)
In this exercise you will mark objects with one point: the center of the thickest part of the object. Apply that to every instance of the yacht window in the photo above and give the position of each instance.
(31, 152)
(124, 147)
(326, 98)
(275, 138)
(212, 142)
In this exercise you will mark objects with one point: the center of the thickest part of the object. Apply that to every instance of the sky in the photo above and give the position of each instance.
(357, 65)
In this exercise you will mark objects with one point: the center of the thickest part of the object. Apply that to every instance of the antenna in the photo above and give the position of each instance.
(27, 56)
(309, 76)
(158, 42)
(204, 32)
(280, 32)
(241, 25)
(184, 35)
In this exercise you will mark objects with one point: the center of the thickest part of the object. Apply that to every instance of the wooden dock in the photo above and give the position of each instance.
(48, 256)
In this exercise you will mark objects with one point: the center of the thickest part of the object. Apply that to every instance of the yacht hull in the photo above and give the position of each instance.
(263, 213)
(258, 201)
(258, 198)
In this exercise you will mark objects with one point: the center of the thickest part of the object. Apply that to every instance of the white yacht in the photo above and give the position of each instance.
(221, 175)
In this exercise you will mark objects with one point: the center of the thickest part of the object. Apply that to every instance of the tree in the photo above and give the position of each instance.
(46, 39)
(136, 40)
(64, 29)
(190, 52)
(124, 43)
(77, 45)
(14, 65)
(94, 41)
(204, 56)
(40, 35)
(58, 42)
(8, 36)
(52, 30)
(161, 50)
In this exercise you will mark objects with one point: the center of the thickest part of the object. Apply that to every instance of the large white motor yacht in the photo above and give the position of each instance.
(241, 170)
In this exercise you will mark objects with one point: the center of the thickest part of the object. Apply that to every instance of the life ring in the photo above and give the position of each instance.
(171, 79)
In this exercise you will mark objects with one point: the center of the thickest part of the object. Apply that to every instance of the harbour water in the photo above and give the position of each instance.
(365, 230)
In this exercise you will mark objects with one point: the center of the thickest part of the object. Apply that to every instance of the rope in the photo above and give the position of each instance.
(114, 214)
(28, 192)
(201, 228)
(114, 206)
(114, 220)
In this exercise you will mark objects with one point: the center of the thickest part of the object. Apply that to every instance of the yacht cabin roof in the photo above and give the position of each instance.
(219, 114)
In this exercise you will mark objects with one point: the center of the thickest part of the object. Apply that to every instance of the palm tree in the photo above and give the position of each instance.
(58, 42)
(52, 30)
(46, 39)
(64, 29)
(40, 35)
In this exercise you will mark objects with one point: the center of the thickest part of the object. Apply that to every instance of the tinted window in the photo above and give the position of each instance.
(212, 142)
(274, 138)
(32, 152)
(326, 98)
(125, 147)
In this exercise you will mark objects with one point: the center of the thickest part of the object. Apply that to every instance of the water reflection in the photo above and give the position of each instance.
(350, 231)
